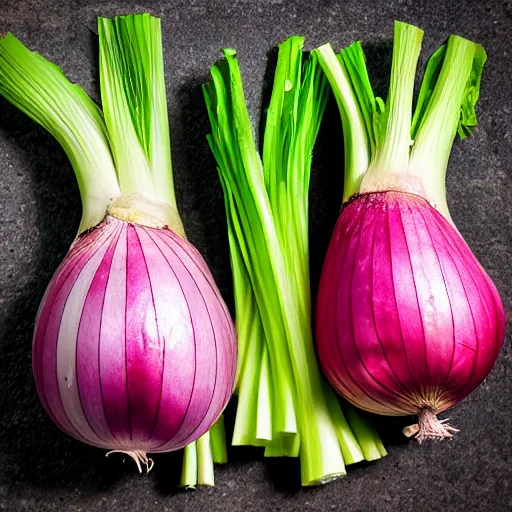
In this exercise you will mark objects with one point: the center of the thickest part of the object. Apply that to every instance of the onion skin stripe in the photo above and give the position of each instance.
(143, 348)
(324, 341)
(471, 263)
(441, 341)
(450, 288)
(449, 240)
(88, 346)
(399, 325)
(468, 263)
(56, 409)
(388, 379)
(422, 375)
(350, 259)
(38, 344)
(100, 381)
(380, 392)
(112, 352)
(401, 385)
(339, 266)
(406, 380)
(159, 330)
(66, 349)
(180, 422)
(219, 347)
(203, 267)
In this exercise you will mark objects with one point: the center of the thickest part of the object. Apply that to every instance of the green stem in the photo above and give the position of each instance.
(205, 472)
(40, 89)
(355, 136)
(393, 126)
(134, 102)
(460, 72)
(218, 441)
(189, 467)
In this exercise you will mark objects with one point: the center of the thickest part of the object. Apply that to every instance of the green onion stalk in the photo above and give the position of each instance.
(388, 145)
(284, 404)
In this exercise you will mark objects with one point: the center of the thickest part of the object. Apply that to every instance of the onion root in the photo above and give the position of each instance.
(139, 457)
(429, 427)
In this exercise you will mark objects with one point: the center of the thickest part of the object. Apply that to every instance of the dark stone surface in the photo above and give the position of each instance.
(40, 468)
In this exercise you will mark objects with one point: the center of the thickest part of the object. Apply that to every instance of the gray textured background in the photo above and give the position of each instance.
(40, 468)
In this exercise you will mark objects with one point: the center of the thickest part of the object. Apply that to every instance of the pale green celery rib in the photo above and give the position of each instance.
(441, 117)
(393, 129)
(263, 433)
(189, 467)
(246, 310)
(253, 425)
(40, 89)
(300, 102)
(199, 457)
(205, 471)
(249, 417)
(135, 105)
(355, 137)
(283, 445)
(365, 433)
(218, 441)
(350, 447)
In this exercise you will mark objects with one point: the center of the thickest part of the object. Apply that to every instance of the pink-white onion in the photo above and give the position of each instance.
(134, 349)
(408, 321)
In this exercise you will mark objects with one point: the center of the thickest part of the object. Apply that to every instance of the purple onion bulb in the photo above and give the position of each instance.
(408, 321)
(134, 349)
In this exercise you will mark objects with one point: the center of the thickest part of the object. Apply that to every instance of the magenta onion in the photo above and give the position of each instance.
(133, 347)
(408, 321)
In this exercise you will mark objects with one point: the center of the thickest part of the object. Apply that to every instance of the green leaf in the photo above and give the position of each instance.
(450, 108)
(353, 60)
(471, 94)
(427, 88)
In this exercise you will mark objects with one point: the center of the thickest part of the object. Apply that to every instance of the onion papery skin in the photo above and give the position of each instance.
(407, 319)
(134, 348)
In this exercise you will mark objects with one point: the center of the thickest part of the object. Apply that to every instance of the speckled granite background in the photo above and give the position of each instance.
(43, 470)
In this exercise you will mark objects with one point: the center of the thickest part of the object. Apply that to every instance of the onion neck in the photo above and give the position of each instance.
(137, 209)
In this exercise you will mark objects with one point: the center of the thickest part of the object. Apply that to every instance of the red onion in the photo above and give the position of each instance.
(134, 349)
(408, 321)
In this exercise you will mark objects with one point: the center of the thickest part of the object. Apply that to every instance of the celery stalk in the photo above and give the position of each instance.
(267, 211)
